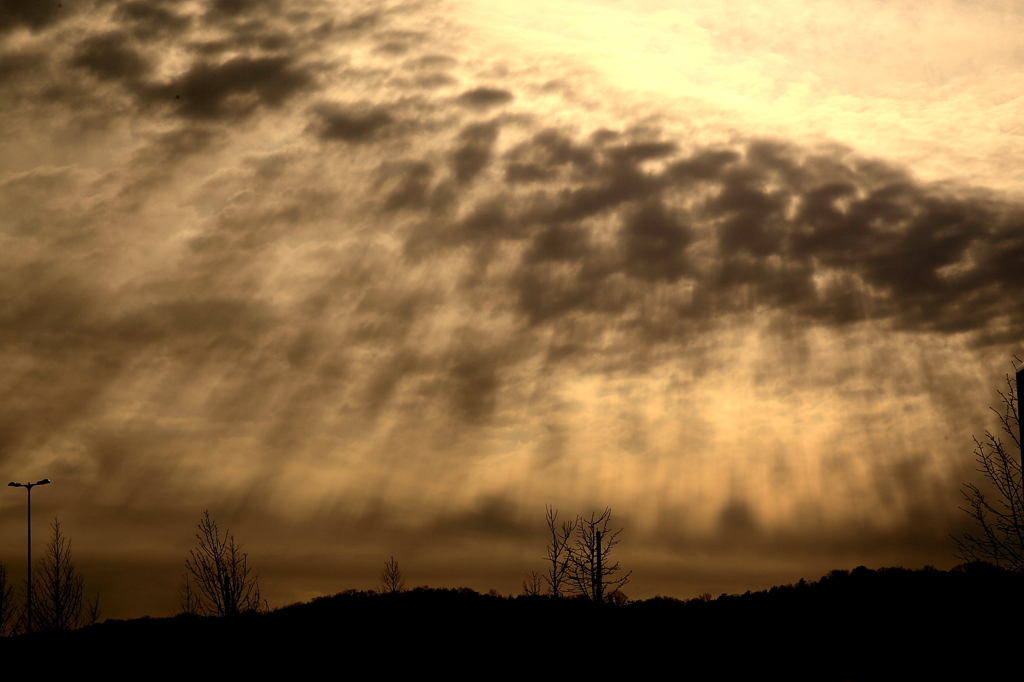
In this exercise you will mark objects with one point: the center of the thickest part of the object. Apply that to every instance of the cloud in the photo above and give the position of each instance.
(147, 20)
(412, 190)
(238, 8)
(34, 16)
(474, 152)
(484, 98)
(232, 89)
(283, 265)
(110, 57)
(353, 127)
(654, 243)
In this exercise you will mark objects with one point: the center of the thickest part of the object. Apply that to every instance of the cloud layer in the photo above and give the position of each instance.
(310, 265)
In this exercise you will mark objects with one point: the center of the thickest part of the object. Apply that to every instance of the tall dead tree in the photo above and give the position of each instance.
(590, 569)
(222, 582)
(559, 551)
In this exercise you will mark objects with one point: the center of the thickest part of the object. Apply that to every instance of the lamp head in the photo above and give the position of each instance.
(14, 485)
(43, 482)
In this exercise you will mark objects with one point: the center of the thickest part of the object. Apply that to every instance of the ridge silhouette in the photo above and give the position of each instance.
(890, 623)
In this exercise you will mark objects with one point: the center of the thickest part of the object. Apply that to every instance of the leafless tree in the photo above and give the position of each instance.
(590, 568)
(7, 605)
(57, 586)
(391, 579)
(559, 551)
(999, 515)
(188, 598)
(92, 610)
(221, 579)
(532, 584)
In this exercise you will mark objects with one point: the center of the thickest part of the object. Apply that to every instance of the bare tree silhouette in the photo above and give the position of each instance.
(93, 610)
(559, 551)
(532, 584)
(188, 598)
(7, 605)
(391, 579)
(222, 583)
(590, 569)
(1000, 520)
(57, 586)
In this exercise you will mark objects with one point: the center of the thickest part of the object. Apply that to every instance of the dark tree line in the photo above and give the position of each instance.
(849, 625)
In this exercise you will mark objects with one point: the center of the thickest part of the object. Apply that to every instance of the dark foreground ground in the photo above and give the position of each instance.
(858, 625)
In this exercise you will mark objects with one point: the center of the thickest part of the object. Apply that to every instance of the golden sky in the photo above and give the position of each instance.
(374, 279)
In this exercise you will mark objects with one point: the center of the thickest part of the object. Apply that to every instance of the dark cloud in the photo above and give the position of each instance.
(474, 387)
(111, 57)
(547, 291)
(396, 43)
(393, 47)
(559, 243)
(432, 61)
(737, 520)
(752, 220)
(384, 381)
(435, 80)
(351, 126)
(703, 165)
(641, 151)
(234, 89)
(80, 344)
(491, 516)
(474, 153)
(544, 156)
(412, 186)
(489, 221)
(361, 22)
(174, 145)
(654, 242)
(220, 320)
(34, 16)
(827, 238)
(614, 180)
(147, 19)
(21, 66)
(252, 64)
(484, 98)
(238, 8)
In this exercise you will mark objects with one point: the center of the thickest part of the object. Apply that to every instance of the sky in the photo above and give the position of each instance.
(375, 279)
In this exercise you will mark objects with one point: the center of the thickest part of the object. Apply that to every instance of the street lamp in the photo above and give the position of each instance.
(1020, 385)
(29, 486)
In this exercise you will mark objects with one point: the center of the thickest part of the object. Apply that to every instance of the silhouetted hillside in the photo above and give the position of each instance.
(862, 624)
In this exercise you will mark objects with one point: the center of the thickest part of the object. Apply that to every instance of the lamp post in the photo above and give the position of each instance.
(29, 486)
(1020, 435)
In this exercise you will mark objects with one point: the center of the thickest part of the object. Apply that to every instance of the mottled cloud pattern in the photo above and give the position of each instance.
(332, 265)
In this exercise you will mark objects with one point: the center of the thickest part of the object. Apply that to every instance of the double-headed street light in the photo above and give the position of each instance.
(29, 486)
